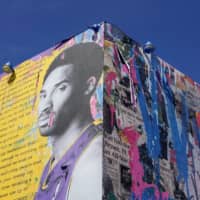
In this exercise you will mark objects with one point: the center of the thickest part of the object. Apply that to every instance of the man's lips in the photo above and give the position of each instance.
(43, 121)
(46, 119)
(42, 118)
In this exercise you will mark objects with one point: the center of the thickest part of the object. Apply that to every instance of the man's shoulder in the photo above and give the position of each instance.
(93, 150)
(92, 153)
(87, 175)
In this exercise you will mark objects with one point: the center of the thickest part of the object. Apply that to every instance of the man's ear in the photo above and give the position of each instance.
(91, 84)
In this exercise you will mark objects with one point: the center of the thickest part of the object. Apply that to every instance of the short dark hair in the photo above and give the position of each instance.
(86, 57)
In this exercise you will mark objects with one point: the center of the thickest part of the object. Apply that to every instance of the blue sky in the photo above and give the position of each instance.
(28, 27)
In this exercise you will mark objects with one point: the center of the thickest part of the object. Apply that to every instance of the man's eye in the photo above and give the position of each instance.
(62, 87)
(42, 96)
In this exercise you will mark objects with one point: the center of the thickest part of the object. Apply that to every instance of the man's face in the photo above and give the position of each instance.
(58, 101)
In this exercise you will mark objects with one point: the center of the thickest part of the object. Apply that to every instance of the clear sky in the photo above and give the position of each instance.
(28, 27)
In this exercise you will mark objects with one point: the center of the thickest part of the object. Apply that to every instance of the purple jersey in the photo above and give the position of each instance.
(54, 183)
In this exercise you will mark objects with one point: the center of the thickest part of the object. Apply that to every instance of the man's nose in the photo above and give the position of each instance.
(47, 105)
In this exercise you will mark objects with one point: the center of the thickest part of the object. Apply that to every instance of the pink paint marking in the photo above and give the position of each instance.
(110, 77)
(168, 78)
(116, 59)
(110, 83)
(125, 69)
(51, 119)
(133, 71)
(137, 172)
(93, 104)
(71, 42)
(172, 156)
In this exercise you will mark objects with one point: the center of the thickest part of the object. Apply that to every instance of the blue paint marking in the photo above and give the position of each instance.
(179, 143)
(89, 34)
(133, 197)
(145, 114)
(150, 120)
(184, 141)
(78, 38)
(157, 171)
(155, 137)
(99, 93)
(148, 194)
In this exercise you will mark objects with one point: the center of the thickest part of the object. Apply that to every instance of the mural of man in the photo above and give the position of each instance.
(74, 170)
